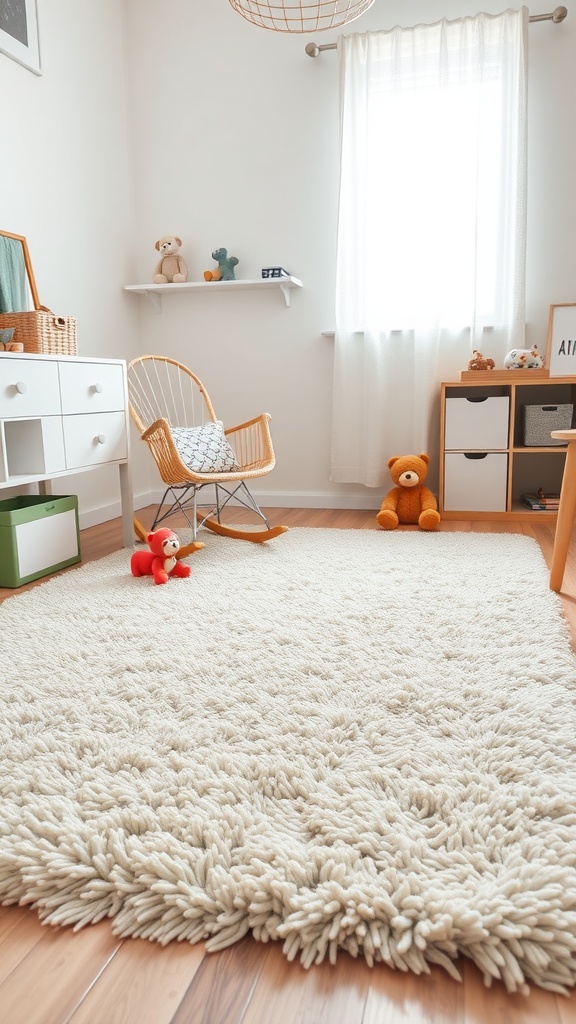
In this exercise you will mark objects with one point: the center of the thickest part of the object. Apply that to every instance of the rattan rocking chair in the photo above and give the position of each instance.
(170, 405)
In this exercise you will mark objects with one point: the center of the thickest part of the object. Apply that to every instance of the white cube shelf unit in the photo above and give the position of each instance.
(485, 466)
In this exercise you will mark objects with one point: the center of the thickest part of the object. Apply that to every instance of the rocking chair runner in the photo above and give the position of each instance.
(172, 409)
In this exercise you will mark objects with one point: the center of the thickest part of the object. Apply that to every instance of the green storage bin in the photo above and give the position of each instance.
(39, 534)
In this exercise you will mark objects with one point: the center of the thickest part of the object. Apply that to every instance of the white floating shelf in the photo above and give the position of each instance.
(155, 291)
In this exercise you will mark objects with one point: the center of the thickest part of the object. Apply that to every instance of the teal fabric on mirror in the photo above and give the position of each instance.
(13, 279)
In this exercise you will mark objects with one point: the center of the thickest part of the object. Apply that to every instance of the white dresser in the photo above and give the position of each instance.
(62, 415)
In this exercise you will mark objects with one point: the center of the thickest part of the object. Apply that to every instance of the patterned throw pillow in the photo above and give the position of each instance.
(205, 449)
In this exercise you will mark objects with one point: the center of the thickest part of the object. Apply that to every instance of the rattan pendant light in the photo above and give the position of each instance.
(300, 15)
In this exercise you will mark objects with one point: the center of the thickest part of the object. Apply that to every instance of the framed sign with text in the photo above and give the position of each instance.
(561, 347)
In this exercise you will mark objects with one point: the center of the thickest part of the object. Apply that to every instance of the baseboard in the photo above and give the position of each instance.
(104, 513)
(95, 516)
(319, 499)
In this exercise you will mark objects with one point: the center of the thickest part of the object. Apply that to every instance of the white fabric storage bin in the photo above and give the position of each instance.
(475, 482)
(476, 423)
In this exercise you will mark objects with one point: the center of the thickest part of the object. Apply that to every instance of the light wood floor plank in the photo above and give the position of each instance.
(9, 918)
(19, 940)
(49, 982)
(287, 993)
(396, 997)
(222, 987)
(567, 1008)
(496, 1006)
(144, 983)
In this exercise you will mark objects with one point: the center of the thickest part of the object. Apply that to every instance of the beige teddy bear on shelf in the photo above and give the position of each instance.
(172, 267)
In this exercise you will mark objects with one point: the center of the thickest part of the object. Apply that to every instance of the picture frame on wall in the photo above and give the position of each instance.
(561, 346)
(19, 33)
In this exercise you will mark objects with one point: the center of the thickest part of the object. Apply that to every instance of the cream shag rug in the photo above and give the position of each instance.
(342, 740)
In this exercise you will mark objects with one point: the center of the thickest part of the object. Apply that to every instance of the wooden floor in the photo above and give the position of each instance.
(55, 976)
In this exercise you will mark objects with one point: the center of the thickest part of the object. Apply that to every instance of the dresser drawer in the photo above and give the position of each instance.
(91, 387)
(91, 440)
(476, 423)
(28, 387)
(475, 481)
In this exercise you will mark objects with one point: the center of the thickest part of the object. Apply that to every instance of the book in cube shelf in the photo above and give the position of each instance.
(541, 502)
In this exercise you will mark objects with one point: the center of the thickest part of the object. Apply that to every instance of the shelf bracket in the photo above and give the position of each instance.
(286, 293)
(156, 301)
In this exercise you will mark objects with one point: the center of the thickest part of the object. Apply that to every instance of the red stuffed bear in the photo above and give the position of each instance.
(160, 562)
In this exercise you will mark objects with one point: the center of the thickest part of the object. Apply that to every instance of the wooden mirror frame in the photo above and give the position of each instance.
(27, 264)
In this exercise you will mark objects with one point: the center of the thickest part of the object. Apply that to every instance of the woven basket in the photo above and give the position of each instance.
(40, 330)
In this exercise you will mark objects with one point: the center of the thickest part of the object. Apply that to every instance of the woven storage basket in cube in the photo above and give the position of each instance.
(43, 332)
(540, 420)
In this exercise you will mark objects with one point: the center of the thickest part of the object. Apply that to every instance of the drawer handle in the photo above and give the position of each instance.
(98, 388)
(100, 438)
(21, 387)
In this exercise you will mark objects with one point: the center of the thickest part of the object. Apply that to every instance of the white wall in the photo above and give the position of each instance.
(66, 183)
(234, 135)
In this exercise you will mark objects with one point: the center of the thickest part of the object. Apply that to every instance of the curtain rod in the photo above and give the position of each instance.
(312, 49)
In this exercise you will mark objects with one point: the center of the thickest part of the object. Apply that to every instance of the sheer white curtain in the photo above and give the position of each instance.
(431, 228)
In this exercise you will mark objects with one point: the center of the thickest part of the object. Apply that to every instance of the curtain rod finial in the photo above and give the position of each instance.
(559, 14)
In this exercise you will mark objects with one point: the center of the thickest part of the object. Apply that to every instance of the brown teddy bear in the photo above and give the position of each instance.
(409, 501)
(172, 267)
(478, 362)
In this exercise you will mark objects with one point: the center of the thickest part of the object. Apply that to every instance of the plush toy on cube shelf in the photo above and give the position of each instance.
(160, 561)
(524, 359)
(225, 269)
(409, 501)
(478, 362)
(171, 269)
